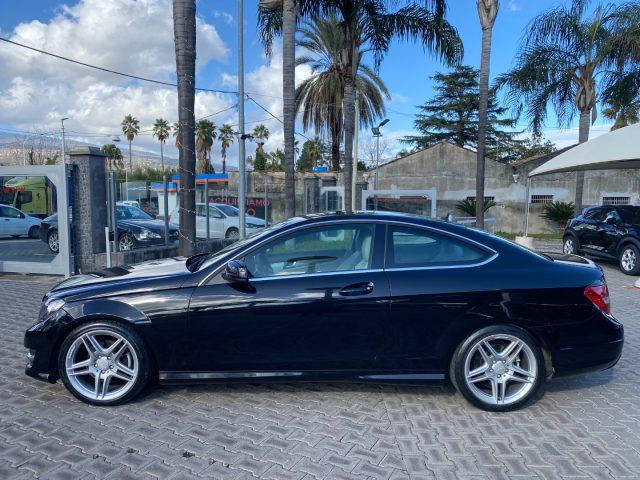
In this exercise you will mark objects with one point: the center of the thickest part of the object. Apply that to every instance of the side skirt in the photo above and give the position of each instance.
(167, 377)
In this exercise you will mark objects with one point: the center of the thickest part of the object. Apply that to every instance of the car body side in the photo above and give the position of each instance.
(410, 334)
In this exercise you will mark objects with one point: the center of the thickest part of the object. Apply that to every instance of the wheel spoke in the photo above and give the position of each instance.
(494, 389)
(502, 390)
(105, 385)
(510, 348)
(92, 344)
(80, 368)
(521, 375)
(515, 353)
(478, 375)
(97, 385)
(124, 373)
(118, 343)
(490, 349)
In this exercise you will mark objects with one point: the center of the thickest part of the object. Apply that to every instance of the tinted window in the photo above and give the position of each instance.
(612, 213)
(10, 212)
(131, 213)
(414, 247)
(592, 213)
(229, 210)
(630, 214)
(4, 211)
(314, 250)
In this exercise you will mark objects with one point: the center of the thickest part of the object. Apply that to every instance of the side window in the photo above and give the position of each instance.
(415, 247)
(12, 212)
(200, 211)
(592, 213)
(4, 211)
(612, 214)
(215, 213)
(314, 250)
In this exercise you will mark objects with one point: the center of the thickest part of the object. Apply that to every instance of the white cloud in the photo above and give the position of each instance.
(124, 35)
(569, 136)
(227, 17)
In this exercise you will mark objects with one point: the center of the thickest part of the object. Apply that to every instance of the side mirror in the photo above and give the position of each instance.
(236, 272)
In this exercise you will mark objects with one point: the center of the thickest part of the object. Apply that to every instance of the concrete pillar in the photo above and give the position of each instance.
(360, 186)
(89, 206)
(311, 194)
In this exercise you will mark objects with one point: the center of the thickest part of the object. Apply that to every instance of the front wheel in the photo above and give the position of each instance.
(629, 259)
(126, 242)
(104, 363)
(53, 241)
(232, 234)
(499, 368)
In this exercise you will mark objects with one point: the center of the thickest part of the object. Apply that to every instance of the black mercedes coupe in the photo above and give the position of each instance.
(361, 297)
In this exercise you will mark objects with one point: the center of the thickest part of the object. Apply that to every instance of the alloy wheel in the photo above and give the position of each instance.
(126, 242)
(53, 241)
(500, 369)
(233, 234)
(568, 247)
(628, 260)
(102, 365)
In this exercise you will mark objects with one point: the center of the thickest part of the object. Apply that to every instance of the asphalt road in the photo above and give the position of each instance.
(27, 249)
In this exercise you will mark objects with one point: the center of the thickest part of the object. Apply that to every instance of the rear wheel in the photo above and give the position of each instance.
(499, 368)
(629, 259)
(104, 363)
(53, 241)
(570, 245)
(34, 231)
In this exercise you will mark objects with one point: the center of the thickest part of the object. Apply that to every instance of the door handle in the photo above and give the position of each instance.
(355, 289)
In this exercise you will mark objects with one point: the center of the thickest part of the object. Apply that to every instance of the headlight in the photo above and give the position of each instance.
(146, 234)
(50, 306)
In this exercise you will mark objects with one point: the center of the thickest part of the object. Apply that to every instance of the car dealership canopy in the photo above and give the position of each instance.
(617, 149)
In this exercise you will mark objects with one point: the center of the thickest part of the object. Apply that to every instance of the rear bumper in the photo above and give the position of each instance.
(590, 357)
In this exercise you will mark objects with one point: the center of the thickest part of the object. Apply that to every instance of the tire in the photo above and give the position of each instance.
(126, 242)
(125, 371)
(232, 234)
(53, 241)
(570, 245)
(629, 259)
(480, 377)
(34, 232)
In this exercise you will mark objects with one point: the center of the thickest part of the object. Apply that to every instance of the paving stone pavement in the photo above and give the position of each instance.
(584, 427)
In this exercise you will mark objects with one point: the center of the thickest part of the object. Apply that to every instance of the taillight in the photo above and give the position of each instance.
(598, 293)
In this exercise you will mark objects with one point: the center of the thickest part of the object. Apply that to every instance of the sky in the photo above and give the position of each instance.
(136, 37)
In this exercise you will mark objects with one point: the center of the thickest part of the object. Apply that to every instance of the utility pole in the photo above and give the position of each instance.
(242, 176)
(355, 155)
(64, 157)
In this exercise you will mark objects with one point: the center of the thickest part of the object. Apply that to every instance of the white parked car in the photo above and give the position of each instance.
(14, 223)
(224, 221)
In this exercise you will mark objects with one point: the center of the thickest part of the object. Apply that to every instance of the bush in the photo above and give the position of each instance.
(559, 212)
(468, 206)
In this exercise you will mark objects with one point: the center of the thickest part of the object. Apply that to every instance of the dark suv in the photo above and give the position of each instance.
(611, 233)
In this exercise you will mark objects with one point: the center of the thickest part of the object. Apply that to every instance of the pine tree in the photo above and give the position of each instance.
(452, 116)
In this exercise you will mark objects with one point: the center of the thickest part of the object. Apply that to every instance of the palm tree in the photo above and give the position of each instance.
(373, 24)
(487, 11)
(161, 132)
(205, 135)
(623, 100)
(623, 114)
(320, 96)
(130, 128)
(175, 128)
(226, 137)
(567, 53)
(114, 156)
(184, 33)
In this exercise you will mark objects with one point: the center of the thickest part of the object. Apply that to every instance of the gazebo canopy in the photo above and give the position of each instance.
(617, 149)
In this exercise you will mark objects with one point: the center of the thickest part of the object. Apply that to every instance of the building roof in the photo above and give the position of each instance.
(544, 157)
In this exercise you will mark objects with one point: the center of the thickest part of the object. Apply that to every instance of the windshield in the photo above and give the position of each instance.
(207, 260)
(630, 214)
(228, 210)
(125, 212)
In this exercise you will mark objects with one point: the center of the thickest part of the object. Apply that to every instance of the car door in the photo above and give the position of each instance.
(15, 221)
(587, 229)
(217, 222)
(201, 221)
(7, 226)
(317, 300)
(434, 282)
(610, 231)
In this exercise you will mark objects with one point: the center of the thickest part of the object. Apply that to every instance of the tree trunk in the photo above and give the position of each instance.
(583, 136)
(130, 161)
(289, 99)
(482, 124)
(224, 163)
(184, 30)
(162, 156)
(349, 131)
(335, 151)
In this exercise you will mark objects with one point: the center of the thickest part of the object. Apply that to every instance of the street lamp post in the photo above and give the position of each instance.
(377, 135)
(64, 157)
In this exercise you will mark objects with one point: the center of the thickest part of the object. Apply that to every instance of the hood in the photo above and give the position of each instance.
(122, 279)
(154, 225)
